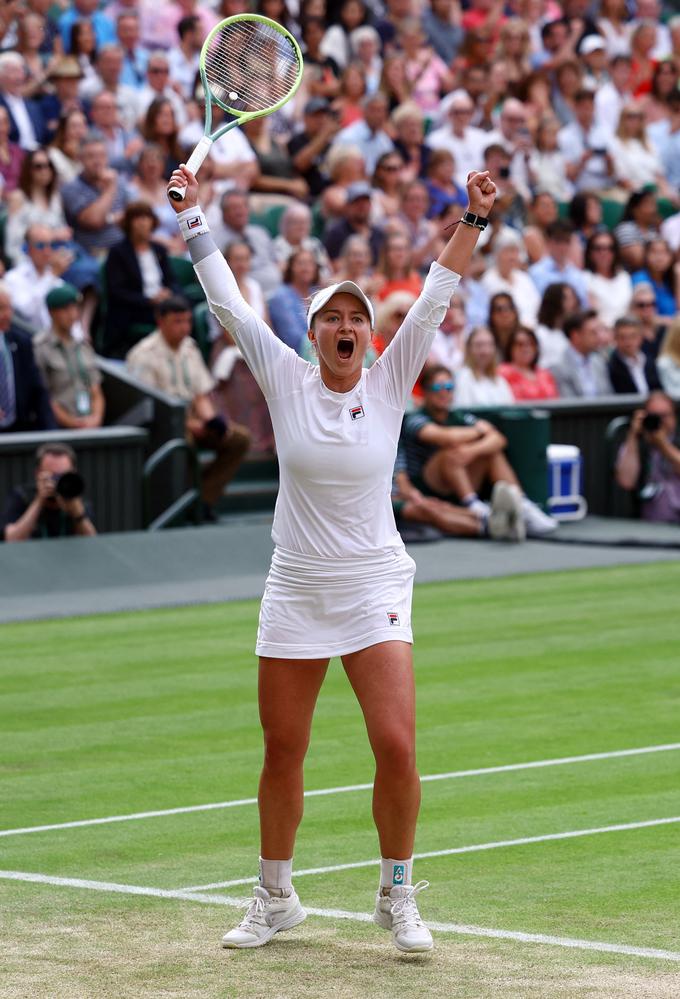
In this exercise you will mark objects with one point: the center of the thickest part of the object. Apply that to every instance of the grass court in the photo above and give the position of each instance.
(554, 879)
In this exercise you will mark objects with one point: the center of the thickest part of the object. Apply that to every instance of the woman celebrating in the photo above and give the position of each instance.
(520, 369)
(340, 582)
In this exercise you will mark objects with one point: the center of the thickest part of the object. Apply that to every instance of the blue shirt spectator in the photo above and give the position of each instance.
(369, 134)
(556, 267)
(288, 305)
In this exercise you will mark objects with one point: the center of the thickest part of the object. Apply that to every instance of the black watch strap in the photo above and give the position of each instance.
(476, 221)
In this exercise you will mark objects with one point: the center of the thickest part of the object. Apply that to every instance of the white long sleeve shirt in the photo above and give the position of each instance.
(336, 449)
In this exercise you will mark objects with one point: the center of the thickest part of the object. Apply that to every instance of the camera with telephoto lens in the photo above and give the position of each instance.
(70, 485)
(651, 423)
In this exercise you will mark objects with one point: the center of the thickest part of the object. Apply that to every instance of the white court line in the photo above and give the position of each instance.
(474, 848)
(452, 775)
(358, 917)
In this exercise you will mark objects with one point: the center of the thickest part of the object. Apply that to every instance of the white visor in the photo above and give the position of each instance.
(325, 294)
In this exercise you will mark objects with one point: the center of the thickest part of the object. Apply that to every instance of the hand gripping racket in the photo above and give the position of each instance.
(250, 66)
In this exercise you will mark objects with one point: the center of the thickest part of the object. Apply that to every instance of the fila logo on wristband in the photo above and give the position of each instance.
(398, 874)
(194, 223)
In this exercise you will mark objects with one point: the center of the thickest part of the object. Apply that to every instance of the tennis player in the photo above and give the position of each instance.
(341, 581)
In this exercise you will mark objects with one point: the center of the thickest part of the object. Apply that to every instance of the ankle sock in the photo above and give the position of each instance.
(276, 876)
(394, 872)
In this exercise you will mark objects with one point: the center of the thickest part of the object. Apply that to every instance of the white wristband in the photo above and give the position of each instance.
(192, 223)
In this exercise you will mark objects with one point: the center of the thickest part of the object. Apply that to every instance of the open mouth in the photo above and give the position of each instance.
(345, 347)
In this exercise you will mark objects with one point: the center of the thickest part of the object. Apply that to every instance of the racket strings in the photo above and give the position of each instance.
(254, 62)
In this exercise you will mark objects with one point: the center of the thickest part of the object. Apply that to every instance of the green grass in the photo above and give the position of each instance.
(124, 713)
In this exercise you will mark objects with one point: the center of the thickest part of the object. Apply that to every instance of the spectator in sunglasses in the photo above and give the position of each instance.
(45, 259)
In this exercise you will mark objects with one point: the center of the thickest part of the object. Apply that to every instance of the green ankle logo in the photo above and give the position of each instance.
(398, 874)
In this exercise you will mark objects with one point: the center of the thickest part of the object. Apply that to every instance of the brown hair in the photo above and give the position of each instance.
(137, 210)
(58, 450)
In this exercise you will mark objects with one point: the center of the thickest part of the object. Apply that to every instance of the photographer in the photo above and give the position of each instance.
(649, 460)
(169, 360)
(54, 507)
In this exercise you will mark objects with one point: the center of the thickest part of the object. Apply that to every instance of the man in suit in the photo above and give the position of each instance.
(630, 370)
(26, 121)
(24, 403)
(582, 372)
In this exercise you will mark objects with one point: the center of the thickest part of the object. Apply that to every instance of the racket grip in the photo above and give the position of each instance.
(193, 165)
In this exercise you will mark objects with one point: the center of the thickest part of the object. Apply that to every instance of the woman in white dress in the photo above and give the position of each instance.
(477, 382)
(340, 582)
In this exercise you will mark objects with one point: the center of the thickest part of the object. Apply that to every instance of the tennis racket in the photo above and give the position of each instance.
(250, 66)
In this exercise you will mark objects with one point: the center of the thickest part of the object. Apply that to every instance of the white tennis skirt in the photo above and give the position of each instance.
(315, 607)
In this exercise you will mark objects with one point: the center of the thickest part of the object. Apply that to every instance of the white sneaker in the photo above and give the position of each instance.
(506, 522)
(267, 914)
(536, 522)
(398, 912)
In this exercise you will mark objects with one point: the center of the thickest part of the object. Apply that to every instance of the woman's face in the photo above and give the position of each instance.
(397, 253)
(443, 172)
(353, 83)
(141, 229)
(666, 78)
(357, 258)
(395, 71)
(32, 32)
(86, 38)
(410, 130)
(602, 254)
(593, 211)
(42, 171)
(76, 128)
(273, 9)
(548, 137)
(389, 171)
(150, 166)
(523, 352)
(342, 335)
(659, 257)
(482, 349)
(165, 120)
(570, 301)
(503, 314)
(545, 209)
(415, 203)
(352, 14)
(569, 81)
(632, 123)
(239, 259)
(304, 268)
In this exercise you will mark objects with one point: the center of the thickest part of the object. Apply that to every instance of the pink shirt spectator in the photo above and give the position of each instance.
(539, 385)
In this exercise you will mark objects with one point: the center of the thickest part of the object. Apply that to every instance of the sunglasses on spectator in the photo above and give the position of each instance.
(44, 244)
(647, 304)
(441, 387)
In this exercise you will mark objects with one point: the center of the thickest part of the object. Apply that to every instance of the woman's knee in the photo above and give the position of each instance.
(284, 750)
(395, 751)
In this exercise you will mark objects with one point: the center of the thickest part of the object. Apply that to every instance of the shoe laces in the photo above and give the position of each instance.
(255, 911)
(406, 908)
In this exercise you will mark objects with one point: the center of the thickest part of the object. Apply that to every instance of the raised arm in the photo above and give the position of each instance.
(405, 356)
(272, 363)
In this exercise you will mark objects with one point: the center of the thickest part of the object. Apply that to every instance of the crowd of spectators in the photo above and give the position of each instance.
(573, 106)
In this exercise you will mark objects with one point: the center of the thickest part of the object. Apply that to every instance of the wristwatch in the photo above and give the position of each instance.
(476, 221)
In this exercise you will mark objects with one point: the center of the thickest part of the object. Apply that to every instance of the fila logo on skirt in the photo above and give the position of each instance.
(392, 617)
(357, 413)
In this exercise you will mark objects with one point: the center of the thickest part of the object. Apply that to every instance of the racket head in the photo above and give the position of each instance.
(250, 65)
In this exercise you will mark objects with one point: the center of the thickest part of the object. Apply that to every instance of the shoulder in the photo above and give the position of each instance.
(149, 346)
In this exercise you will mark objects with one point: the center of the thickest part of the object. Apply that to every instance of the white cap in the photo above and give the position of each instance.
(591, 43)
(350, 288)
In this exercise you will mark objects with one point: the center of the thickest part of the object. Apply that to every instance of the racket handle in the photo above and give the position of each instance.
(193, 165)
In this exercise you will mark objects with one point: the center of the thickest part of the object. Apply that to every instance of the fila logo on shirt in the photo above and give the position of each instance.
(398, 873)
(392, 617)
(357, 413)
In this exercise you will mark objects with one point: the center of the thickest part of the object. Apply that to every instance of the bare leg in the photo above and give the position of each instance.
(445, 475)
(448, 518)
(288, 690)
(382, 679)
